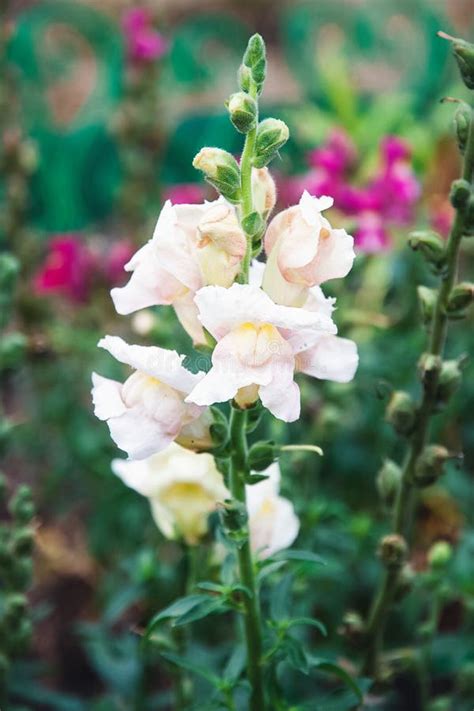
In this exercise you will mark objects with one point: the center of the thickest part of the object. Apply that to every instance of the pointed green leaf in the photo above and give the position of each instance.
(194, 668)
(332, 668)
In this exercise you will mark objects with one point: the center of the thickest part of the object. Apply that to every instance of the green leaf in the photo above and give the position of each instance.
(312, 622)
(235, 664)
(295, 654)
(194, 668)
(179, 607)
(293, 554)
(332, 668)
(212, 587)
(281, 598)
(269, 569)
(202, 609)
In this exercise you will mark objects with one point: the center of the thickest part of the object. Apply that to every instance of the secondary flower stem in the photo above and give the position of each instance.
(246, 187)
(405, 500)
(252, 621)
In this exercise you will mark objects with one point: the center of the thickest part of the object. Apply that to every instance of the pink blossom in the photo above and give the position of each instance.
(67, 269)
(184, 193)
(336, 156)
(115, 259)
(144, 44)
(371, 235)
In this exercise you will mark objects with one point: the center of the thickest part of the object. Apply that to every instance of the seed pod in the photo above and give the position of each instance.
(401, 412)
(427, 300)
(242, 110)
(430, 466)
(392, 551)
(388, 481)
(462, 120)
(431, 245)
(460, 193)
(272, 134)
(459, 300)
(430, 366)
(464, 54)
(405, 582)
(448, 381)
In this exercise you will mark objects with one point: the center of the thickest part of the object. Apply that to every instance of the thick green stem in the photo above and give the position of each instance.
(405, 500)
(252, 621)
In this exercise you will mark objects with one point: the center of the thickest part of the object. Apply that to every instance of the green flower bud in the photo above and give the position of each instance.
(221, 170)
(427, 300)
(253, 225)
(430, 366)
(22, 541)
(431, 245)
(401, 412)
(460, 193)
(464, 54)
(261, 455)
(272, 134)
(254, 65)
(430, 465)
(392, 551)
(12, 350)
(448, 381)
(15, 607)
(462, 120)
(405, 582)
(439, 555)
(21, 505)
(242, 110)
(459, 300)
(234, 521)
(388, 481)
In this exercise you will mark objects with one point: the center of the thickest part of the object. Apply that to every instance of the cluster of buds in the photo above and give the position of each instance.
(16, 545)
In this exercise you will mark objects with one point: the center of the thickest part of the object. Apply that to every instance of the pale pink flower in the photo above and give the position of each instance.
(148, 410)
(257, 344)
(192, 246)
(273, 523)
(303, 250)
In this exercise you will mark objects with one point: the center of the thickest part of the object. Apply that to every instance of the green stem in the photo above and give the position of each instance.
(246, 188)
(406, 497)
(252, 621)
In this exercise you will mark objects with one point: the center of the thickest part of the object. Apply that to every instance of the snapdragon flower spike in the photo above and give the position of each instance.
(257, 344)
(148, 411)
(303, 250)
(192, 246)
(183, 488)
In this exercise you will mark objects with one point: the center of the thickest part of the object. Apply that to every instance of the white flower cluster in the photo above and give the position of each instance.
(265, 331)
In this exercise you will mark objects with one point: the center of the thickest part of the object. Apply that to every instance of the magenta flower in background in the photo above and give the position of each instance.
(144, 43)
(67, 269)
(184, 194)
(384, 201)
(115, 258)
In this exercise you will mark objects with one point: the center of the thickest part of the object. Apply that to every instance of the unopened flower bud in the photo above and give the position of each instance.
(460, 299)
(430, 465)
(263, 191)
(427, 300)
(254, 65)
(21, 505)
(22, 541)
(439, 555)
(261, 455)
(392, 550)
(431, 245)
(460, 193)
(15, 606)
(272, 134)
(401, 412)
(464, 54)
(242, 111)
(462, 120)
(352, 627)
(388, 481)
(430, 366)
(448, 381)
(221, 170)
(12, 350)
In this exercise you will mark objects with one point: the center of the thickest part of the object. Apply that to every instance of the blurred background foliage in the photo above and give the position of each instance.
(94, 138)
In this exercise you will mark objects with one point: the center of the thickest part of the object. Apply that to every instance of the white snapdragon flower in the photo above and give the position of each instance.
(183, 488)
(303, 250)
(258, 344)
(273, 523)
(148, 410)
(192, 246)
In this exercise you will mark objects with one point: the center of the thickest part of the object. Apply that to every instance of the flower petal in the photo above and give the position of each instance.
(106, 396)
(331, 358)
